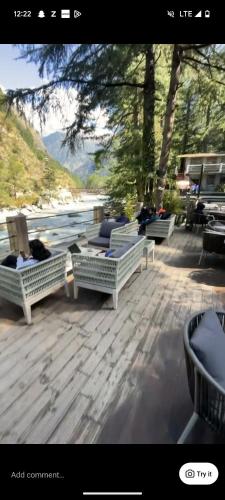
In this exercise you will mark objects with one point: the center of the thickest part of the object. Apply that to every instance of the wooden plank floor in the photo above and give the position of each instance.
(84, 373)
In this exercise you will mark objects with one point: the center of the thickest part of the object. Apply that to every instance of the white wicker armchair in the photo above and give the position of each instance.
(106, 274)
(161, 228)
(28, 285)
(92, 230)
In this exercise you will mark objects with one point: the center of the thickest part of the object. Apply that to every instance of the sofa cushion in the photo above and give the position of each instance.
(211, 321)
(165, 216)
(209, 347)
(109, 253)
(107, 227)
(99, 242)
(135, 239)
(119, 252)
(219, 227)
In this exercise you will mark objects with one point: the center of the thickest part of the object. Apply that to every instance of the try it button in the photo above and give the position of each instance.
(198, 473)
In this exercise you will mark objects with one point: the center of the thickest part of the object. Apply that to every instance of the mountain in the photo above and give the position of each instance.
(81, 162)
(27, 171)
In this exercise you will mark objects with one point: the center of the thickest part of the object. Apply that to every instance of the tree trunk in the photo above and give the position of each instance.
(187, 123)
(148, 138)
(140, 187)
(169, 122)
(207, 122)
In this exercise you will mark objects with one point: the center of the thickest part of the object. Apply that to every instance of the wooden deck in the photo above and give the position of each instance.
(84, 373)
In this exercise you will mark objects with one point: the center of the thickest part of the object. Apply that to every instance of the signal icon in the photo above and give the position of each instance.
(199, 14)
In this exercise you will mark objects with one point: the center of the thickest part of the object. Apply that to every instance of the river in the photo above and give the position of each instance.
(49, 229)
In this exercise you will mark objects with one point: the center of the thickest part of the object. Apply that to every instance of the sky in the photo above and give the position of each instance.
(17, 73)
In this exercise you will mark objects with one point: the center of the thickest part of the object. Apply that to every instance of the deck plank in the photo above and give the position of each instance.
(85, 373)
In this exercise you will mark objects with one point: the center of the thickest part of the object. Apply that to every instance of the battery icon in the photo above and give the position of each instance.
(65, 14)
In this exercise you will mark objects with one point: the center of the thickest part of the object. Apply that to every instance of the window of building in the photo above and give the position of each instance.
(210, 180)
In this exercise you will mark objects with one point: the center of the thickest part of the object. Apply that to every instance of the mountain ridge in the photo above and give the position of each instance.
(27, 171)
(81, 162)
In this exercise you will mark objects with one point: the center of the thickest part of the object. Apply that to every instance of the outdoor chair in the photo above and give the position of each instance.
(98, 235)
(28, 285)
(161, 228)
(199, 220)
(207, 394)
(212, 242)
(118, 239)
(216, 225)
(108, 274)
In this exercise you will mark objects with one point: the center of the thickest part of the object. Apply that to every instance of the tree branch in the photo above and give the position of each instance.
(207, 65)
(26, 92)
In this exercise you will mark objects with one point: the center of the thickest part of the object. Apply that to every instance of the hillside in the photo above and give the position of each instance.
(27, 171)
(81, 162)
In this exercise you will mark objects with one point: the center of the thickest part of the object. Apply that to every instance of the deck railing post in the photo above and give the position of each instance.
(98, 214)
(18, 233)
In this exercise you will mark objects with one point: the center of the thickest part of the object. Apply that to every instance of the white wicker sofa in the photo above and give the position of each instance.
(161, 228)
(107, 274)
(93, 232)
(28, 285)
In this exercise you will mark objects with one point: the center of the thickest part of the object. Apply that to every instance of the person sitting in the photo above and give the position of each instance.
(161, 211)
(198, 216)
(38, 253)
(152, 217)
(144, 214)
(199, 207)
(122, 218)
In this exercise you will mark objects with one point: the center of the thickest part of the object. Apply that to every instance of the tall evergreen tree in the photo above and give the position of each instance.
(99, 73)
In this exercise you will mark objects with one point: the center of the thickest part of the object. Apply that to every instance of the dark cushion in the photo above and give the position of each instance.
(123, 219)
(107, 227)
(135, 239)
(165, 216)
(208, 343)
(218, 227)
(109, 253)
(210, 320)
(122, 250)
(99, 242)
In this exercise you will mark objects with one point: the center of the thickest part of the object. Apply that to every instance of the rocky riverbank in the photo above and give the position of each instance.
(64, 203)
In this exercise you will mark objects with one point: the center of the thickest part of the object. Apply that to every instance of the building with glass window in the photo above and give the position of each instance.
(211, 165)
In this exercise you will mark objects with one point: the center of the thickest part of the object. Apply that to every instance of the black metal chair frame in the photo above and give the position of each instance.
(207, 395)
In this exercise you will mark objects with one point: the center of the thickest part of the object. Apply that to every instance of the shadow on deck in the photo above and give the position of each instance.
(84, 373)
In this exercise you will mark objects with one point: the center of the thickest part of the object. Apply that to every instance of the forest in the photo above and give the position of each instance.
(160, 101)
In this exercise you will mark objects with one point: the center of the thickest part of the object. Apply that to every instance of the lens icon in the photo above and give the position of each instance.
(190, 473)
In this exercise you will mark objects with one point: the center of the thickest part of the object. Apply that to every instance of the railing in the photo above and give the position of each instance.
(208, 168)
(18, 231)
(88, 191)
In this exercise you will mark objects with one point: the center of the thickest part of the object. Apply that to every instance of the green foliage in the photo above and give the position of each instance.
(96, 181)
(49, 178)
(40, 155)
(24, 132)
(77, 181)
(199, 124)
(24, 172)
(220, 188)
(172, 202)
(130, 205)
